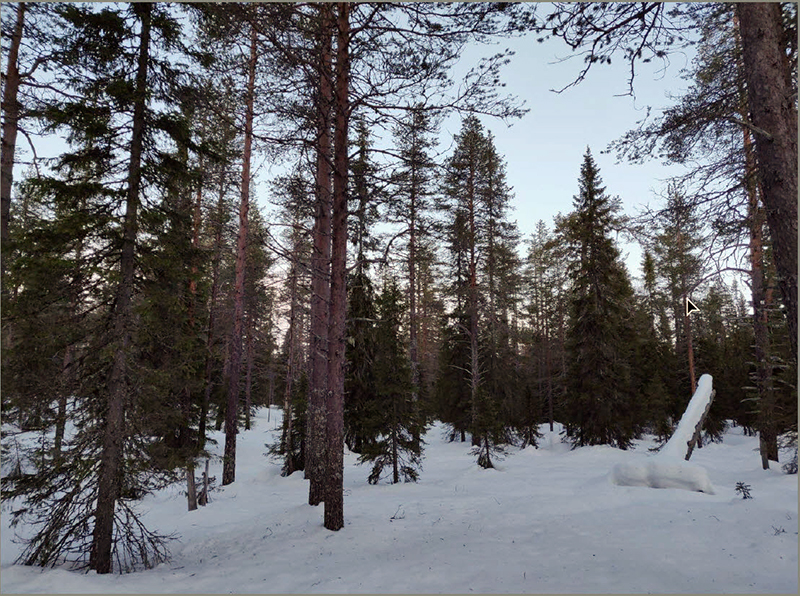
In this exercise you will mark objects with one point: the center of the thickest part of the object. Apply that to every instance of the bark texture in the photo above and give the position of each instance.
(229, 462)
(10, 124)
(334, 493)
(320, 270)
(772, 109)
(110, 473)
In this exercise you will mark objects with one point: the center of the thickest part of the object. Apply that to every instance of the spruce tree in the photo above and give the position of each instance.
(652, 355)
(411, 206)
(452, 391)
(394, 420)
(360, 384)
(122, 120)
(600, 393)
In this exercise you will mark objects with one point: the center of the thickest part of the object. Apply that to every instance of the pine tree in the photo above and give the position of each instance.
(679, 238)
(600, 394)
(482, 245)
(412, 206)
(294, 194)
(545, 284)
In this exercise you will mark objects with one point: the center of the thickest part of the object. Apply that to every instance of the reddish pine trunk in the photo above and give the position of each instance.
(229, 462)
(334, 476)
(320, 266)
(111, 457)
(10, 125)
(773, 111)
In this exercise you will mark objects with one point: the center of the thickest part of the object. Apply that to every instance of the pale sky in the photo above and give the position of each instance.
(544, 149)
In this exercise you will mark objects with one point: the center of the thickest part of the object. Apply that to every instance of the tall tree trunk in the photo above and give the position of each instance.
(768, 440)
(229, 461)
(334, 476)
(320, 269)
(687, 325)
(212, 309)
(288, 466)
(10, 127)
(473, 309)
(110, 473)
(413, 351)
(191, 489)
(773, 111)
(184, 206)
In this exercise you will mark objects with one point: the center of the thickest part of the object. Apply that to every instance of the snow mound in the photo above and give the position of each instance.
(668, 469)
(662, 474)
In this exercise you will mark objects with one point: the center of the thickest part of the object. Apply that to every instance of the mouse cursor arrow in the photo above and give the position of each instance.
(690, 307)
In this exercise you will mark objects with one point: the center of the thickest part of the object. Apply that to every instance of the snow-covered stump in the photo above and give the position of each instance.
(668, 468)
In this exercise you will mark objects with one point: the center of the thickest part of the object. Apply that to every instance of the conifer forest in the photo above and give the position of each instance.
(275, 247)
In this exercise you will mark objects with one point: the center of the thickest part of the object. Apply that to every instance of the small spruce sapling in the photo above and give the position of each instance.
(744, 490)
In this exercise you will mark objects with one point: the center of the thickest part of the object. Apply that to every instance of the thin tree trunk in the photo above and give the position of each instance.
(203, 498)
(248, 383)
(772, 107)
(413, 352)
(288, 466)
(687, 324)
(212, 309)
(549, 373)
(334, 476)
(10, 126)
(110, 472)
(320, 266)
(395, 458)
(191, 489)
(229, 461)
(473, 310)
(185, 394)
(61, 415)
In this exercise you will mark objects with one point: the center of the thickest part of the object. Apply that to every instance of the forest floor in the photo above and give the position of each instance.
(546, 520)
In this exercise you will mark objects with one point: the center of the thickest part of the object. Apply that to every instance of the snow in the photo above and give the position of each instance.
(676, 446)
(548, 521)
(660, 474)
(668, 468)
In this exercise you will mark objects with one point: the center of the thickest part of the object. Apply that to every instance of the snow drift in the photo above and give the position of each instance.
(667, 469)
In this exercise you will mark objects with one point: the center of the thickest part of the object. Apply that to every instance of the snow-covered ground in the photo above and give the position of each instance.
(547, 520)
